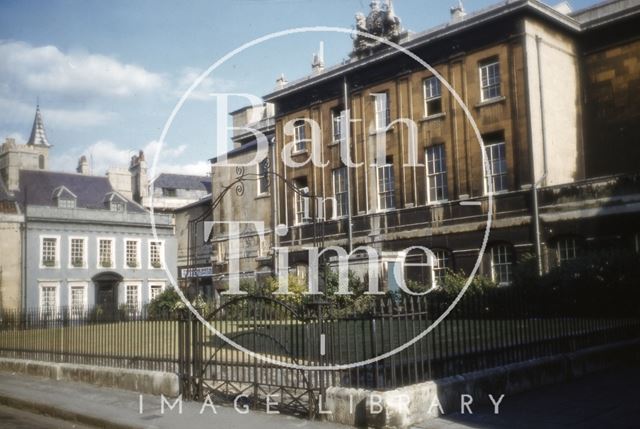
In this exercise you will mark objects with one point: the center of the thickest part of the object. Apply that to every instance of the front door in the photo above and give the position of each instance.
(107, 295)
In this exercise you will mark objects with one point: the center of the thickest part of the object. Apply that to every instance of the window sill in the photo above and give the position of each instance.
(335, 143)
(299, 152)
(263, 196)
(491, 101)
(506, 191)
(433, 117)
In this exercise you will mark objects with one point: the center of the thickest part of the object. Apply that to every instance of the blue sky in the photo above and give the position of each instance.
(108, 73)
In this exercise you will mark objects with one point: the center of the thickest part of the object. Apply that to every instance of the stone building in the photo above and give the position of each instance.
(551, 94)
(34, 155)
(11, 251)
(87, 245)
(193, 227)
(74, 240)
(244, 194)
(166, 192)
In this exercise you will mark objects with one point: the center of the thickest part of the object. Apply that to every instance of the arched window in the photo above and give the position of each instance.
(41, 162)
(502, 264)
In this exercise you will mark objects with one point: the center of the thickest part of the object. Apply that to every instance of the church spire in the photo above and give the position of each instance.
(38, 136)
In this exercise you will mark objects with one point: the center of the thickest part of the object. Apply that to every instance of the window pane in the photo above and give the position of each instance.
(105, 253)
(501, 265)
(263, 177)
(77, 252)
(132, 253)
(154, 291)
(340, 191)
(77, 298)
(567, 250)
(132, 297)
(442, 262)
(338, 119)
(381, 111)
(155, 254)
(490, 80)
(436, 174)
(432, 96)
(386, 193)
(49, 246)
(299, 135)
(496, 174)
(48, 298)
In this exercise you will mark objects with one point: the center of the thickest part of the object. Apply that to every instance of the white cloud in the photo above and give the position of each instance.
(64, 118)
(105, 154)
(77, 118)
(47, 69)
(200, 168)
(203, 91)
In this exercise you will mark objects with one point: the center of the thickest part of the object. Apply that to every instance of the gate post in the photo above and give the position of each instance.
(322, 349)
(197, 345)
(184, 354)
(256, 391)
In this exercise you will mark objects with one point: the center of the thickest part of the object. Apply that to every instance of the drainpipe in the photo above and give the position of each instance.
(537, 183)
(347, 142)
(23, 294)
(275, 238)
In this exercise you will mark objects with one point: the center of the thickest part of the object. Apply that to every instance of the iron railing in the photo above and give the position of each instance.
(120, 338)
(485, 329)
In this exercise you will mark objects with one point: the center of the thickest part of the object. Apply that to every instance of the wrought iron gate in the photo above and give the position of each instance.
(272, 329)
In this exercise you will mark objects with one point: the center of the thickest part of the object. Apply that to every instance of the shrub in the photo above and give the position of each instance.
(454, 282)
(165, 304)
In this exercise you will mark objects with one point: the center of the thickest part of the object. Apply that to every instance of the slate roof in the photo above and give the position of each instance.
(7, 201)
(182, 181)
(38, 136)
(37, 188)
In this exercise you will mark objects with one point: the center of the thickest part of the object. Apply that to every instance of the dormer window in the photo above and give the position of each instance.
(64, 198)
(117, 206)
(169, 192)
(115, 202)
(65, 203)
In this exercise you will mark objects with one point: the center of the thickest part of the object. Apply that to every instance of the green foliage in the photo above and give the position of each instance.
(525, 271)
(164, 304)
(297, 288)
(454, 282)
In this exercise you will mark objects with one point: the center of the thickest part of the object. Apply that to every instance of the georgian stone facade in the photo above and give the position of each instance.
(547, 91)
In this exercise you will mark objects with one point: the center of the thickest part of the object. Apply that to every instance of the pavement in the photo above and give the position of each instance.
(609, 399)
(11, 418)
(602, 400)
(83, 404)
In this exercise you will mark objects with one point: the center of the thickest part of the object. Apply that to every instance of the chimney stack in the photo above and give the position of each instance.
(83, 166)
